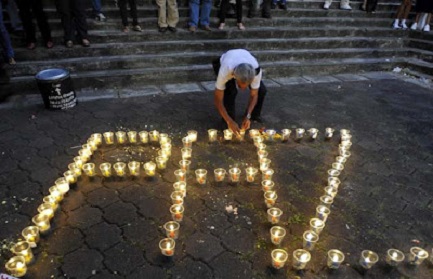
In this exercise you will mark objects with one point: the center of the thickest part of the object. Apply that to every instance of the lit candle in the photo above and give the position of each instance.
(149, 168)
(267, 185)
(172, 229)
(46, 209)
(270, 198)
(333, 173)
(251, 174)
(192, 135)
(267, 174)
(262, 154)
(23, 249)
(167, 247)
(166, 148)
(241, 135)
(310, 239)
(334, 182)
(254, 133)
(84, 155)
(322, 212)
(16, 266)
(270, 134)
(279, 258)
(97, 137)
(219, 174)
(42, 221)
(186, 153)
(340, 159)
(394, 257)
(368, 259)
(105, 169)
(344, 132)
(163, 138)
(274, 215)
(285, 134)
(187, 143)
(88, 148)
(326, 201)
(154, 136)
(52, 200)
(277, 234)
(144, 136)
(346, 138)
(335, 258)
(261, 146)
(75, 168)
(313, 133)
(257, 140)
(200, 175)
(228, 134)
(176, 197)
(121, 137)
(300, 133)
(345, 146)
(338, 166)
(109, 138)
(300, 259)
(56, 193)
(120, 168)
(78, 162)
(89, 169)
(213, 135)
(184, 165)
(180, 175)
(316, 225)
(93, 144)
(62, 185)
(31, 235)
(235, 174)
(70, 176)
(264, 164)
(345, 154)
(329, 132)
(181, 187)
(134, 168)
(161, 162)
(132, 136)
(417, 255)
(176, 211)
(331, 191)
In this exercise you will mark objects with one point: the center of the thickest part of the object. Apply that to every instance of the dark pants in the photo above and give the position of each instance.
(224, 7)
(28, 9)
(231, 92)
(124, 11)
(73, 15)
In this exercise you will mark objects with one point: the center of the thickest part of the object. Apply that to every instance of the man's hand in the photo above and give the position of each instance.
(234, 127)
(246, 123)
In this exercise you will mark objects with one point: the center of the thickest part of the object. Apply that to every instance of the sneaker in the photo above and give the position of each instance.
(125, 29)
(192, 29)
(85, 42)
(206, 28)
(327, 5)
(241, 26)
(100, 17)
(162, 29)
(172, 29)
(12, 61)
(346, 7)
(31, 46)
(426, 28)
(395, 25)
(137, 28)
(414, 26)
(404, 26)
(69, 44)
(221, 26)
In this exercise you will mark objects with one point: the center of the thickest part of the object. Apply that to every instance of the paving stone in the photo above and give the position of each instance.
(148, 271)
(82, 263)
(46, 266)
(102, 197)
(64, 240)
(155, 208)
(291, 80)
(321, 79)
(106, 275)
(142, 91)
(350, 77)
(120, 213)
(84, 217)
(141, 231)
(231, 237)
(228, 265)
(73, 201)
(90, 94)
(379, 75)
(189, 268)
(212, 222)
(181, 88)
(102, 236)
(202, 246)
(135, 193)
(131, 256)
(11, 222)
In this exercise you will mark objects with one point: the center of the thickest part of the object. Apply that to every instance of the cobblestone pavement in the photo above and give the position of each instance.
(111, 228)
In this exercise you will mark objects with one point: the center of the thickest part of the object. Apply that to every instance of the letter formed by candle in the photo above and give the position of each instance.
(132, 136)
(89, 169)
(279, 258)
(31, 235)
(213, 135)
(329, 132)
(267, 174)
(322, 212)
(219, 174)
(235, 174)
(313, 133)
(105, 169)
(192, 135)
(149, 169)
(285, 134)
(251, 174)
(335, 258)
(201, 175)
(16, 266)
(121, 137)
(176, 211)
(109, 138)
(120, 169)
(316, 225)
(417, 255)
(277, 234)
(180, 175)
(368, 259)
(299, 133)
(310, 239)
(274, 215)
(167, 246)
(144, 137)
(134, 168)
(172, 229)
(23, 248)
(270, 198)
(267, 185)
(300, 259)
(394, 257)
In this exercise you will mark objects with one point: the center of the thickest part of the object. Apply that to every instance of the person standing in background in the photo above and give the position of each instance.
(168, 15)
(5, 41)
(73, 16)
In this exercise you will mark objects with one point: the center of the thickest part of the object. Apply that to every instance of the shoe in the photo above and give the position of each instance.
(49, 44)
(69, 44)
(85, 42)
(241, 26)
(221, 26)
(125, 29)
(192, 29)
(172, 29)
(395, 25)
(137, 28)
(162, 29)
(100, 17)
(327, 5)
(206, 28)
(404, 26)
(426, 28)
(31, 46)
(12, 61)
(346, 7)
(283, 7)
(257, 119)
(273, 6)
(414, 26)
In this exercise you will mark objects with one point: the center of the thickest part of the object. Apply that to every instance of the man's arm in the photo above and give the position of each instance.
(219, 104)
(254, 93)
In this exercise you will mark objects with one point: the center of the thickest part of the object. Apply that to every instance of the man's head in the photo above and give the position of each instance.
(244, 74)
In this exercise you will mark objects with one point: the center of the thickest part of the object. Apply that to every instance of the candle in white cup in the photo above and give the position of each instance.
(219, 174)
(274, 215)
(172, 229)
(335, 258)
(23, 248)
(277, 234)
(201, 175)
(192, 135)
(144, 136)
(310, 239)
(105, 169)
(279, 258)
(16, 266)
(300, 259)
(213, 135)
(394, 257)
(270, 198)
(134, 168)
(108, 138)
(121, 137)
(120, 169)
(285, 134)
(417, 255)
(251, 173)
(167, 246)
(132, 136)
(368, 259)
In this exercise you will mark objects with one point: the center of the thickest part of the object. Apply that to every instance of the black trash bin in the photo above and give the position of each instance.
(55, 86)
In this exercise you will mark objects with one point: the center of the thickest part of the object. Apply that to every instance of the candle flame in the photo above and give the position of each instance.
(171, 227)
(279, 255)
(309, 236)
(168, 245)
(303, 257)
(335, 258)
(394, 255)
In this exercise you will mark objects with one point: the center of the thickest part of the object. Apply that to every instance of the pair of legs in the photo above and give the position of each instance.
(199, 14)
(223, 13)
(427, 22)
(369, 5)
(168, 14)
(344, 5)
(124, 14)
(5, 40)
(73, 16)
(283, 4)
(97, 10)
(255, 8)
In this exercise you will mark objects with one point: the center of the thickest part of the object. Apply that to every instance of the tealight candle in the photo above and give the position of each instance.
(184, 165)
(257, 140)
(46, 209)
(344, 132)
(261, 146)
(134, 168)
(89, 169)
(340, 159)
(270, 198)
(149, 168)
(144, 136)
(75, 168)
(186, 153)
(70, 176)
(31, 235)
(333, 173)
(161, 162)
(167, 247)
(279, 258)
(345, 154)
(187, 143)
(228, 134)
(270, 134)
(105, 169)
(235, 174)
(192, 135)
(313, 133)
(213, 135)
(285, 134)
(335, 258)
(254, 133)
(251, 174)
(180, 186)
(368, 259)
(326, 201)
(120, 168)
(267, 185)
(334, 182)
(274, 215)
(180, 175)
(84, 155)
(62, 185)
(51, 200)
(78, 162)
(23, 249)
(109, 138)
(200, 175)
(267, 174)
(394, 257)
(172, 229)
(299, 133)
(88, 148)
(417, 255)
(345, 146)
(241, 135)
(338, 166)
(331, 191)
(154, 136)
(277, 234)
(300, 259)
(97, 137)
(132, 136)
(166, 148)
(177, 197)
(93, 144)
(219, 174)
(121, 137)
(16, 266)
(264, 164)
(176, 211)
(329, 132)
(310, 239)
(346, 138)
(42, 221)
(56, 193)
(316, 225)
(163, 138)
(322, 212)
(262, 154)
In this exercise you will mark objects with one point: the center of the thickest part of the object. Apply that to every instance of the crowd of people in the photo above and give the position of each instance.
(73, 14)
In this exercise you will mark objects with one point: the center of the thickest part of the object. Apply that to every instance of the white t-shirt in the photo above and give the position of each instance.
(229, 61)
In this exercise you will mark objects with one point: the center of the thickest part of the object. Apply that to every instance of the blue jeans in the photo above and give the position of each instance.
(282, 2)
(5, 40)
(97, 7)
(194, 7)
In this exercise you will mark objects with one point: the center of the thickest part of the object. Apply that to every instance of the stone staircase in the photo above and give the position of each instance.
(305, 40)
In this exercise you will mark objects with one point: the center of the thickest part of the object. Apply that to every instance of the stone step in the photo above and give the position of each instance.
(421, 44)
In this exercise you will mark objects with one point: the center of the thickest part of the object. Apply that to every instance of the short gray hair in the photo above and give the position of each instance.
(245, 73)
